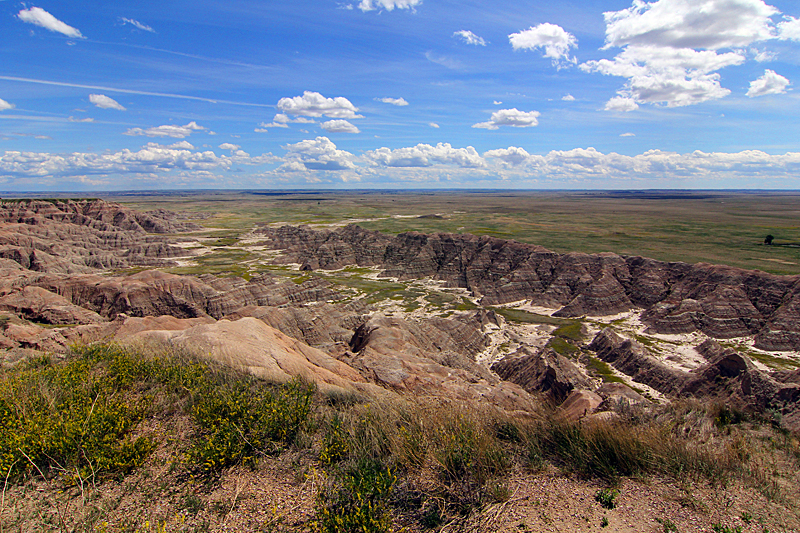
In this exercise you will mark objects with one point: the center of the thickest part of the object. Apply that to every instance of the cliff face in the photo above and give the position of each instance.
(720, 301)
(74, 236)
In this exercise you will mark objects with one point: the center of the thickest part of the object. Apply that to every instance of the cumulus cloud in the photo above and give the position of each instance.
(769, 83)
(497, 102)
(627, 135)
(39, 17)
(555, 41)
(169, 130)
(789, 29)
(393, 101)
(510, 117)
(704, 24)
(316, 154)
(512, 155)
(313, 104)
(568, 98)
(5, 105)
(182, 145)
(104, 102)
(425, 155)
(470, 38)
(621, 104)
(421, 163)
(137, 24)
(433, 125)
(671, 76)
(339, 126)
(388, 5)
(672, 48)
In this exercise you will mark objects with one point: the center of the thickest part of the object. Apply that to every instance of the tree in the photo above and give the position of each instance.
(768, 240)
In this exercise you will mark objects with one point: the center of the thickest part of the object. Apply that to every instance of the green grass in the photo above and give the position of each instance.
(429, 462)
(603, 370)
(715, 227)
(78, 419)
(562, 347)
(526, 317)
(771, 361)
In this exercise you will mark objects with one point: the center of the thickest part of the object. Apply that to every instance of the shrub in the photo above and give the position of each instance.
(69, 419)
(243, 419)
(356, 501)
(607, 498)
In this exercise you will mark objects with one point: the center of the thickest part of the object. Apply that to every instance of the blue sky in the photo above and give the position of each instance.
(585, 94)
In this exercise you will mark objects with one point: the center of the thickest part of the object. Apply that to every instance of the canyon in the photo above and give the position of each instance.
(476, 319)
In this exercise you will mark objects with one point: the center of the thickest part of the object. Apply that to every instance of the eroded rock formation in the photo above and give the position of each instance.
(720, 301)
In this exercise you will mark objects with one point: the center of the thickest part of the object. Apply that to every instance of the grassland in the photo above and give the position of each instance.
(715, 227)
(221, 451)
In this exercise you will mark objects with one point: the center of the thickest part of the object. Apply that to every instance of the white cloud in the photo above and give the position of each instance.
(40, 17)
(512, 155)
(388, 5)
(313, 104)
(763, 56)
(769, 83)
(671, 48)
(317, 154)
(137, 24)
(73, 119)
(169, 130)
(627, 135)
(425, 155)
(510, 117)
(470, 38)
(393, 101)
(706, 24)
(672, 76)
(446, 62)
(568, 98)
(229, 146)
(622, 104)
(182, 145)
(497, 102)
(339, 126)
(104, 102)
(5, 105)
(789, 29)
(433, 125)
(555, 41)
(418, 164)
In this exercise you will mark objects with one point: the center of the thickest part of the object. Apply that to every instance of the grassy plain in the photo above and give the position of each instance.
(693, 226)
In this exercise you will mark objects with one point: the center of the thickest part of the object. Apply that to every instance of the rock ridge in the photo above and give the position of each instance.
(717, 300)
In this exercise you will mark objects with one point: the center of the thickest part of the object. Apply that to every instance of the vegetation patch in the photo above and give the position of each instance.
(526, 317)
(602, 369)
(77, 419)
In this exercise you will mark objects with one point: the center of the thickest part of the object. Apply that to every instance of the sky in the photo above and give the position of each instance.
(399, 94)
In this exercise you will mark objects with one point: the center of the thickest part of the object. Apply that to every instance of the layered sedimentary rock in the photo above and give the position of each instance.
(727, 377)
(431, 357)
(543, 372)
(720, 301)
(74, 236)
(631, 358)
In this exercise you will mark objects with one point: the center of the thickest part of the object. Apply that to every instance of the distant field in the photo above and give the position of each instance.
(715, 227)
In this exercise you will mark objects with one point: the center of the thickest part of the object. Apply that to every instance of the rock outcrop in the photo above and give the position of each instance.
(728, 377)
(720, 301)
(432, 357)
(80, 236)
(544, 372)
